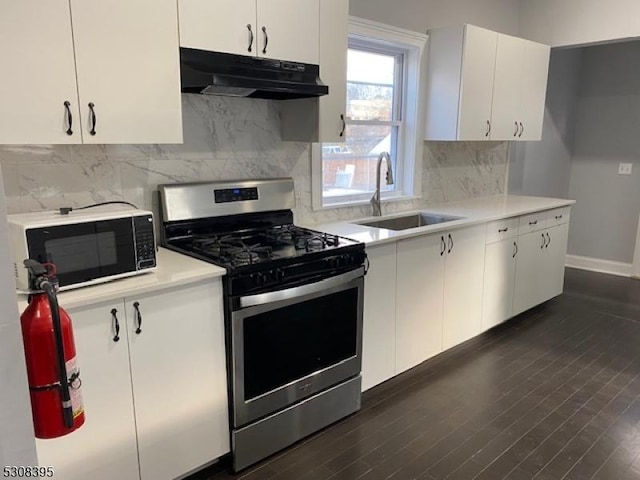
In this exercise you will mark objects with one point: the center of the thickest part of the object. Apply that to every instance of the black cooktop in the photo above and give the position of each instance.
(280, 242)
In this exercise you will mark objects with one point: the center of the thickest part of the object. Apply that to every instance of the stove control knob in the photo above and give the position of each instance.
(260, 279)
(279, 275)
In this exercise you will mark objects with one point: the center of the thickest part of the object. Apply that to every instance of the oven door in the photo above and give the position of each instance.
(85, 251)
(290, 344)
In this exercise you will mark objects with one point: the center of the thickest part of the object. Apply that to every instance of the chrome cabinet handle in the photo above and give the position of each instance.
(443, 245)
(503, 230)
(344, 125)
(93, 118)
(67, 106)
(266, 40)
(515, 134)
(559, 217)
(544, 242)
(450, 244)
(533, 223)
(521, 130)
(136, 306)
(548, 240)
(488, 128)
(515, 249)
(251, 38)
(116, 325)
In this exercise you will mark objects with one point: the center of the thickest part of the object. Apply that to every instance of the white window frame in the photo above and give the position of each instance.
(411, 139)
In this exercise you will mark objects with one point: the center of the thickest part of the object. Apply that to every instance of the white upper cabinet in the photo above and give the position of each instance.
(227, 26)
(484, 85)
(507, 88)
(280, 29)
(289, 30)
(115, 64)
(476, 84)
(534, 77)
(520, 89)
(323, 119)
(334, 39)
(128, 70)
(38, 73)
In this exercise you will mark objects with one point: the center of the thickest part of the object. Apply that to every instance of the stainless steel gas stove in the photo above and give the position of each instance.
(293, 308)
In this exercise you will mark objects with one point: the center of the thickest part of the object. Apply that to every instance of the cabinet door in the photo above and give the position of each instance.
(38, 73)
(464, 273)
(478, 65)
(379, 331)
(179, 379)
(505, 113)
(535, 70)
(334, 34)
(219, 26)
(128, 67)
(499, 281)
(105, 447)
(419, 295)
(289, 30)
(555, 261)
(529, 281)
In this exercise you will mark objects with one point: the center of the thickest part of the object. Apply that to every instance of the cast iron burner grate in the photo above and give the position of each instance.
(232, 250)
(301, 238)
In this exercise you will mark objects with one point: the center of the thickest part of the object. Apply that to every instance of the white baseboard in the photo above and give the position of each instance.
(599, 265)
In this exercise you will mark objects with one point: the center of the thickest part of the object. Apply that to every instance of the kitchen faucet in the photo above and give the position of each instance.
(375, 200)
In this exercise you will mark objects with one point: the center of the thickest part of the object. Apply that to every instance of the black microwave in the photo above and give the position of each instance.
(85, 248)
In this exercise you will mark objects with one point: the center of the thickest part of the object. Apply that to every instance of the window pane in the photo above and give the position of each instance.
(370, 85)
(350, 168)
(369, 102)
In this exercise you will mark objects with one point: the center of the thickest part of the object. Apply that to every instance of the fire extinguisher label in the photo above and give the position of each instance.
(73, 376)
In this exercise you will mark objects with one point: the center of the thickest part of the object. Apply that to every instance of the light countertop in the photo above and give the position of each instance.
(174, 269)
(474, 211)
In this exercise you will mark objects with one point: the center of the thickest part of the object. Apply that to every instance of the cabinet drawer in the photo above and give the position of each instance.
(558, 216)
(502, 229)
(532, 222)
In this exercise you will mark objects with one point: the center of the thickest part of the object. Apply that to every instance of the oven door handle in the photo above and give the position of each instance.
(302, 290)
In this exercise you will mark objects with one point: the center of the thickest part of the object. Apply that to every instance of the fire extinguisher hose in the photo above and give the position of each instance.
(67, 409)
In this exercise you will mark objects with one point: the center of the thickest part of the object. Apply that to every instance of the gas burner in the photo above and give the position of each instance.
(302, 238)
(232, 250)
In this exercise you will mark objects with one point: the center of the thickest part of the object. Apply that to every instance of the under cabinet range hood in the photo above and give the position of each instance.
(214, 73)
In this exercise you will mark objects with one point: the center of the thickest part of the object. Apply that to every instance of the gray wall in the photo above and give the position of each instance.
(17, 446)
(605, 218)
(544, 168)
(421, 15)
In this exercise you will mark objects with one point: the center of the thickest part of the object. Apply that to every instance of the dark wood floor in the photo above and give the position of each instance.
(553, 394)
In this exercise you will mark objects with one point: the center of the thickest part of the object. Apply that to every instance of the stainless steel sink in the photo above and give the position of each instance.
(410, 221)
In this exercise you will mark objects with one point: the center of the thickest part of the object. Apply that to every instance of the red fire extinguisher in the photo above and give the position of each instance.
(50, 352)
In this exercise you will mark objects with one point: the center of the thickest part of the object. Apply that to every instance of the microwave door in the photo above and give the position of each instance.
(84, 252)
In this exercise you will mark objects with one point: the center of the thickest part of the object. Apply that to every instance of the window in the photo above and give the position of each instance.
(382, 108)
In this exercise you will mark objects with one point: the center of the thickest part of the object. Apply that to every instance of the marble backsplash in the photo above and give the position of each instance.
(224, 138)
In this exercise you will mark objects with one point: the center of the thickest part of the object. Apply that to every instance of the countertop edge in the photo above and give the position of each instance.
(174, 270)
(503, 207)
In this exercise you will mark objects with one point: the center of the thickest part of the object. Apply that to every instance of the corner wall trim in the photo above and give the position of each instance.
(599, 265)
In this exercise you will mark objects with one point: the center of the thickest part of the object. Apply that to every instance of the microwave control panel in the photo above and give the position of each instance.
(145, 241)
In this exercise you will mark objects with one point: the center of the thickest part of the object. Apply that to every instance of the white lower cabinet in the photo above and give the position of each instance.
(379, 329)
(500, 260)
(419, 300)
(540, 266)
(438, 293)
(105, 447)
(464, 271)
(155, 398)
(426, 294)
